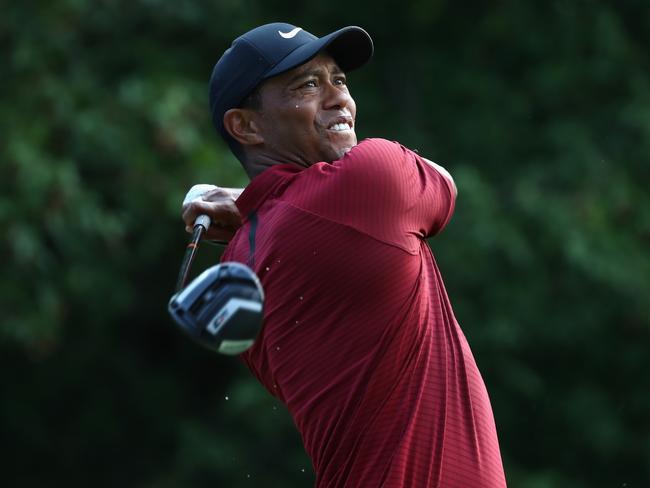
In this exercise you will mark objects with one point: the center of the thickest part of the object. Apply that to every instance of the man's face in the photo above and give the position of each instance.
(307, 114)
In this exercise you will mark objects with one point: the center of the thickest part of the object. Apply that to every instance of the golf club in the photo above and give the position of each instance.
(221, 309)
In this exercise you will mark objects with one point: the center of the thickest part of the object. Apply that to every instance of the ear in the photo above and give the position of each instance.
(242, 126)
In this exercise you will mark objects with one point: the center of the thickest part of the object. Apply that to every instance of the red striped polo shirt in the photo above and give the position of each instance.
(359, 339)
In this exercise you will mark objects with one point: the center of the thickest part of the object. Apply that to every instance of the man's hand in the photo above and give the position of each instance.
(218, 204)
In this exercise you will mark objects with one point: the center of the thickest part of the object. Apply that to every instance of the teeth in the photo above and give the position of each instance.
(340, 127)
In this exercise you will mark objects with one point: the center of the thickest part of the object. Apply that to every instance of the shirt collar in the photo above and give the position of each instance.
(263, 186)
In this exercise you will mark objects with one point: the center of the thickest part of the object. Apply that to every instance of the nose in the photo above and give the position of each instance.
(336, 97)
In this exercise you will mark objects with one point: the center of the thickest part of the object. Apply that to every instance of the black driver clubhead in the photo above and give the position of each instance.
(222, 308)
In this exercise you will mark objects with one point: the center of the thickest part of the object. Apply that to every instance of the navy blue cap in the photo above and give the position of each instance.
(272, 49)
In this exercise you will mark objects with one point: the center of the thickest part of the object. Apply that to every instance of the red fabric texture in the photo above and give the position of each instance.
(360, 341)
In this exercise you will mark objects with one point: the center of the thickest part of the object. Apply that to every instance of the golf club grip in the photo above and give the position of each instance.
(203, 220)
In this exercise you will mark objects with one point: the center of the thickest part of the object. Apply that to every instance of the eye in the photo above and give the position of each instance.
(312, 83)
(340, 80)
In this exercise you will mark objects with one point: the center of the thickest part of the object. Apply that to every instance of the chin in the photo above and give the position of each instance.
(340, 145)
(343, 151)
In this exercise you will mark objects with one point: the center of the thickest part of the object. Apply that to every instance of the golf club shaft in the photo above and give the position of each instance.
(188, 258)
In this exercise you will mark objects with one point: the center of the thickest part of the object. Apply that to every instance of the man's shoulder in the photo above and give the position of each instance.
(378, 160)
(377, 147)
(373, 155)
(373, 167)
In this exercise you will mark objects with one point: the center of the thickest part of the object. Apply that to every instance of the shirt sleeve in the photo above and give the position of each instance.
(382, 189)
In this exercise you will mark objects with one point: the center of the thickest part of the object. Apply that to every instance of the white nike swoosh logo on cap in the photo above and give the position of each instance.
(291, 34)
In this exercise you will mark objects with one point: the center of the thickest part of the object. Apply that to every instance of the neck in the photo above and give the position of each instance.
(258, 163)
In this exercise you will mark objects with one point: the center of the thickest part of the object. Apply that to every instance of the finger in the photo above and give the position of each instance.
(192, 210)
(220, 233)
(224, 214)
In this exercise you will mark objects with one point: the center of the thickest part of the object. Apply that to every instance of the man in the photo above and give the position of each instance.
(359, 339)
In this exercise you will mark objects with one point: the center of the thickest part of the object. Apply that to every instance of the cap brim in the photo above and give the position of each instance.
(351, 47)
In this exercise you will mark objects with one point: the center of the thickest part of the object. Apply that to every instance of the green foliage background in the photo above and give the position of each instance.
(541, 111)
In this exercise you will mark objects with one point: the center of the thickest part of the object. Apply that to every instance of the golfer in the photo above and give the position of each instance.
(359, 340)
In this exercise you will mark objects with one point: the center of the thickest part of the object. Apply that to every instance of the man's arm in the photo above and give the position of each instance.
(444, 173)
(382, 189)
(219, 204)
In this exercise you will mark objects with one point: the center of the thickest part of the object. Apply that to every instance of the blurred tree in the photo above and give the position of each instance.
(540, 110)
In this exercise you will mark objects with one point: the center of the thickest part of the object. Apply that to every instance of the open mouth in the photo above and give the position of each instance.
(340, 127)
(341, 124)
